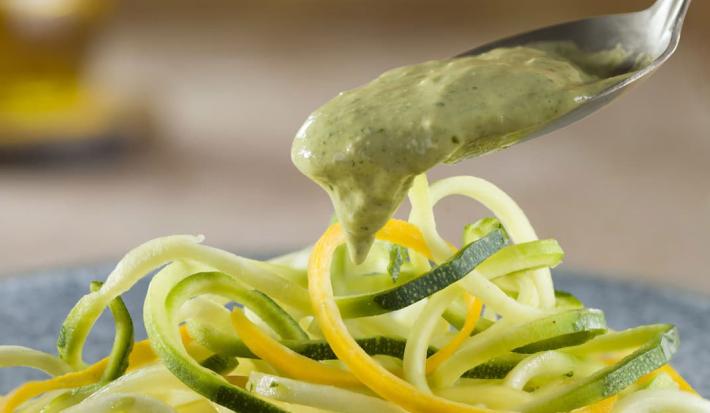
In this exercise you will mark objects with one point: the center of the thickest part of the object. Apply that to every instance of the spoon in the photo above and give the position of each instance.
(652, 34)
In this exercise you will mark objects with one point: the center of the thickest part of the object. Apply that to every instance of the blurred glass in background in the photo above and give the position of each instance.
(47, 105)
(224, 85)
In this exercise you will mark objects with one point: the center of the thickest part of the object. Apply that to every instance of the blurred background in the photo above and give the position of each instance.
(120, 122)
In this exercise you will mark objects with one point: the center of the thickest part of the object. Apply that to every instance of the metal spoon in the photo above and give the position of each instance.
(652, 33)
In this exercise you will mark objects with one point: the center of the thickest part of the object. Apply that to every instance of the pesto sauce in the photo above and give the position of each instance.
(365, 146)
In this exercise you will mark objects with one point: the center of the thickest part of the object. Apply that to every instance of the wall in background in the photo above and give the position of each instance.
(229, 83)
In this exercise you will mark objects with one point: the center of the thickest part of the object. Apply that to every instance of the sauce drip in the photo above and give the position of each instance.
(365, 146)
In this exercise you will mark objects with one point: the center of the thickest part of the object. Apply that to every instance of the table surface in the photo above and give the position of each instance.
(229, 85)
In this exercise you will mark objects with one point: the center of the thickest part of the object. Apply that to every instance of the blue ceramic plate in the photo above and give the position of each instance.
(33, 306)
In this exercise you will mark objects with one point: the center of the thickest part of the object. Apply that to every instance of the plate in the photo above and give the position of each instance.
(32, 307)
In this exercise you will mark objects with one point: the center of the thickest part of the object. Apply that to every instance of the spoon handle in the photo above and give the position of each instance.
(667, 13)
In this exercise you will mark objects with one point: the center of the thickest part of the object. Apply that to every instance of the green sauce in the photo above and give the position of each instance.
(366, 145)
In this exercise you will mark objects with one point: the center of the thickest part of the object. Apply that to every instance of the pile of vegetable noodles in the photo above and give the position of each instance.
(421, 326)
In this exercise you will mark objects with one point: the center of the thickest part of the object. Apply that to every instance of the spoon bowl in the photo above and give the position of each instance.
(651, 34)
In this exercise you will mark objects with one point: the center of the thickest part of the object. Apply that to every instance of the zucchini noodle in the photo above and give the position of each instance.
(489, 393)
(154, 381)
(548, 362)
(18, 356)
(509, 213)
(153, 254)
(474, 309)
(509, 336)
(497, 300)
(415, 353)
(127, 403)
(420, 326)
(527, 293)
(422, 216)
(287, 360)
(317, 395)
(363, 367)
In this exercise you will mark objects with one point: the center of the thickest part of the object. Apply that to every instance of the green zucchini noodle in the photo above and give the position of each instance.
(415, 353)
(39, 404)
(128, 403)
(154, 381)
(527, 293)
(423, 217)
(548, 362)
(18, 356)
(317, 395)
(509, 213)
(488, 392)
(412, 307)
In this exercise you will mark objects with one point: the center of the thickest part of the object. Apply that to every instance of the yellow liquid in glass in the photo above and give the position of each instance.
(43, 48)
